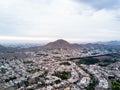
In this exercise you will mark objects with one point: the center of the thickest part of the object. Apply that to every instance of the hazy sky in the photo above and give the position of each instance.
(73, 20)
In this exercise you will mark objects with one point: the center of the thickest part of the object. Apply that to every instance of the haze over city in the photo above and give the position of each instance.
(48, 20)
(59, 44)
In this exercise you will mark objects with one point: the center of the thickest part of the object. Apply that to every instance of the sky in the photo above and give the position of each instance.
(48, 20)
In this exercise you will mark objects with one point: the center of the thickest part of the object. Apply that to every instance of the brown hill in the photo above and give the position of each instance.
(58, 44)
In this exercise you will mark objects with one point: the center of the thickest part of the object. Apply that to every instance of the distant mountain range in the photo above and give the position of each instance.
(113, 43)
(58, 44)
(4, 49)
(66, 45)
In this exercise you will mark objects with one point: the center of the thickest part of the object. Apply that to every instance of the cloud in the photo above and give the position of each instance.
(65, 19)
(102, 4)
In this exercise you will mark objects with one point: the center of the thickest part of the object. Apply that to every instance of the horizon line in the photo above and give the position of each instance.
(48, 39)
